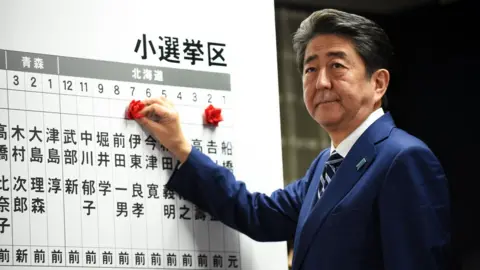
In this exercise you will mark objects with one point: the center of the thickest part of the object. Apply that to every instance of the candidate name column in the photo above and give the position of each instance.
(92, 145)
(17, 65)
(5, 179)
(97, 225)
(39, 73)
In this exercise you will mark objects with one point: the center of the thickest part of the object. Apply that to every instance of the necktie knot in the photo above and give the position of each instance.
(331, 166)
(335, 159)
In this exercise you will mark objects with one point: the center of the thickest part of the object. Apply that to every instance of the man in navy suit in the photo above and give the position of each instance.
(376, 199)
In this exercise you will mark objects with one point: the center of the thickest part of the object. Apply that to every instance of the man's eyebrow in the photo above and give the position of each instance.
(310, 58)
(338, 54)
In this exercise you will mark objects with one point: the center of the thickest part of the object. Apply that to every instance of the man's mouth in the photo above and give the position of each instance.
(326, 102)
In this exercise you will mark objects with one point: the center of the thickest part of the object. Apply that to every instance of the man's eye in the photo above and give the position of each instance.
(337, 65)
(310, 69)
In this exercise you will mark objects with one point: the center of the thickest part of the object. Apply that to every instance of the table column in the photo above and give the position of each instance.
(213, 148)
(231, 237)
(154, 206)
(19, 164)
(109, 146)
(6, 226)
(91, 171)
(74, 185)
(54, 181)
(186, 232)
(173, 257)
(40, 140)
(99, 129)
(138, 220)
(212, 141)
(195, 134)
(36, 66)
(36, 166)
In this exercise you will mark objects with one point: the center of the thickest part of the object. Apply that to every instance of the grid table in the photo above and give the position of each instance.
(81, 186)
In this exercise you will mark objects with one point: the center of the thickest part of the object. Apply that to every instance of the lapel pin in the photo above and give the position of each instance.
(361, 163)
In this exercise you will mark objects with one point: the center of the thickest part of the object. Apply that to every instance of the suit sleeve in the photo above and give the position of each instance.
(414, 213)
(215, 190)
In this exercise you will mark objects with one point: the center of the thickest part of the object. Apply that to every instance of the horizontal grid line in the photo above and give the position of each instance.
(109, 98)
(116, 248)
(94, 116)
(119, 267)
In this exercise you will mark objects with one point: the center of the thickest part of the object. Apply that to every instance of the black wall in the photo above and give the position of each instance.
(433, 95)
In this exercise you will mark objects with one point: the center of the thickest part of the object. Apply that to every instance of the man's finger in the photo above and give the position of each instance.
(148, 109)
(154, 112)
(147, 123)
(155, 100)
(160, 110)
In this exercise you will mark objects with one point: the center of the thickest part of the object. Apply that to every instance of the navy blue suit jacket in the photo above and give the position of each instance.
(390, 211)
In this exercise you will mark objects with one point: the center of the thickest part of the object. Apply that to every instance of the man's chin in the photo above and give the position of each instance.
(328, 122)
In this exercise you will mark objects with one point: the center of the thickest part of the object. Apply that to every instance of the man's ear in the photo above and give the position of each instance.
(380, 80)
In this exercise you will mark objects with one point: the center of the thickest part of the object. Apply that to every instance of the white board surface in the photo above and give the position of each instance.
(81, 187)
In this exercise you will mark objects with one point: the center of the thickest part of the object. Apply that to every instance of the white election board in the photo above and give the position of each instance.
(82, 187)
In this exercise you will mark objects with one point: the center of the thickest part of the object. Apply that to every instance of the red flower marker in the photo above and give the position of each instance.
(134, 108)
(213, 115)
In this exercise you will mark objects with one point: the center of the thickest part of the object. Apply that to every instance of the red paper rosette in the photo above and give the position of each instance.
(213, 115)
(133, 111)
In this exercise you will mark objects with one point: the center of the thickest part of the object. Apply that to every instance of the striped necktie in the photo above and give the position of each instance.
(331, 167)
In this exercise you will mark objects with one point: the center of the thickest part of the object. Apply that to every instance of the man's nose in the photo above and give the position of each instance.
(323, 80)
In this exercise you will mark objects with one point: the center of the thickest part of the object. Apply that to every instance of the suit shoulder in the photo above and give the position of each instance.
(401, 141)
(402, 144)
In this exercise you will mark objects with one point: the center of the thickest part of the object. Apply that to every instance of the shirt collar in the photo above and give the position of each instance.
(344, 147)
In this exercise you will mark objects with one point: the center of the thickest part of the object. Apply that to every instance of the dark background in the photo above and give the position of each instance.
(432, 95)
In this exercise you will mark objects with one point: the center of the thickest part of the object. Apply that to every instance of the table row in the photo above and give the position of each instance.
(117, 258)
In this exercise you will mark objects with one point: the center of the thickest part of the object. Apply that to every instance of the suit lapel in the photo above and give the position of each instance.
(299, 246)
(352, 168)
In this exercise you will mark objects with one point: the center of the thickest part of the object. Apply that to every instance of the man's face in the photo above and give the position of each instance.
(337, 92)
